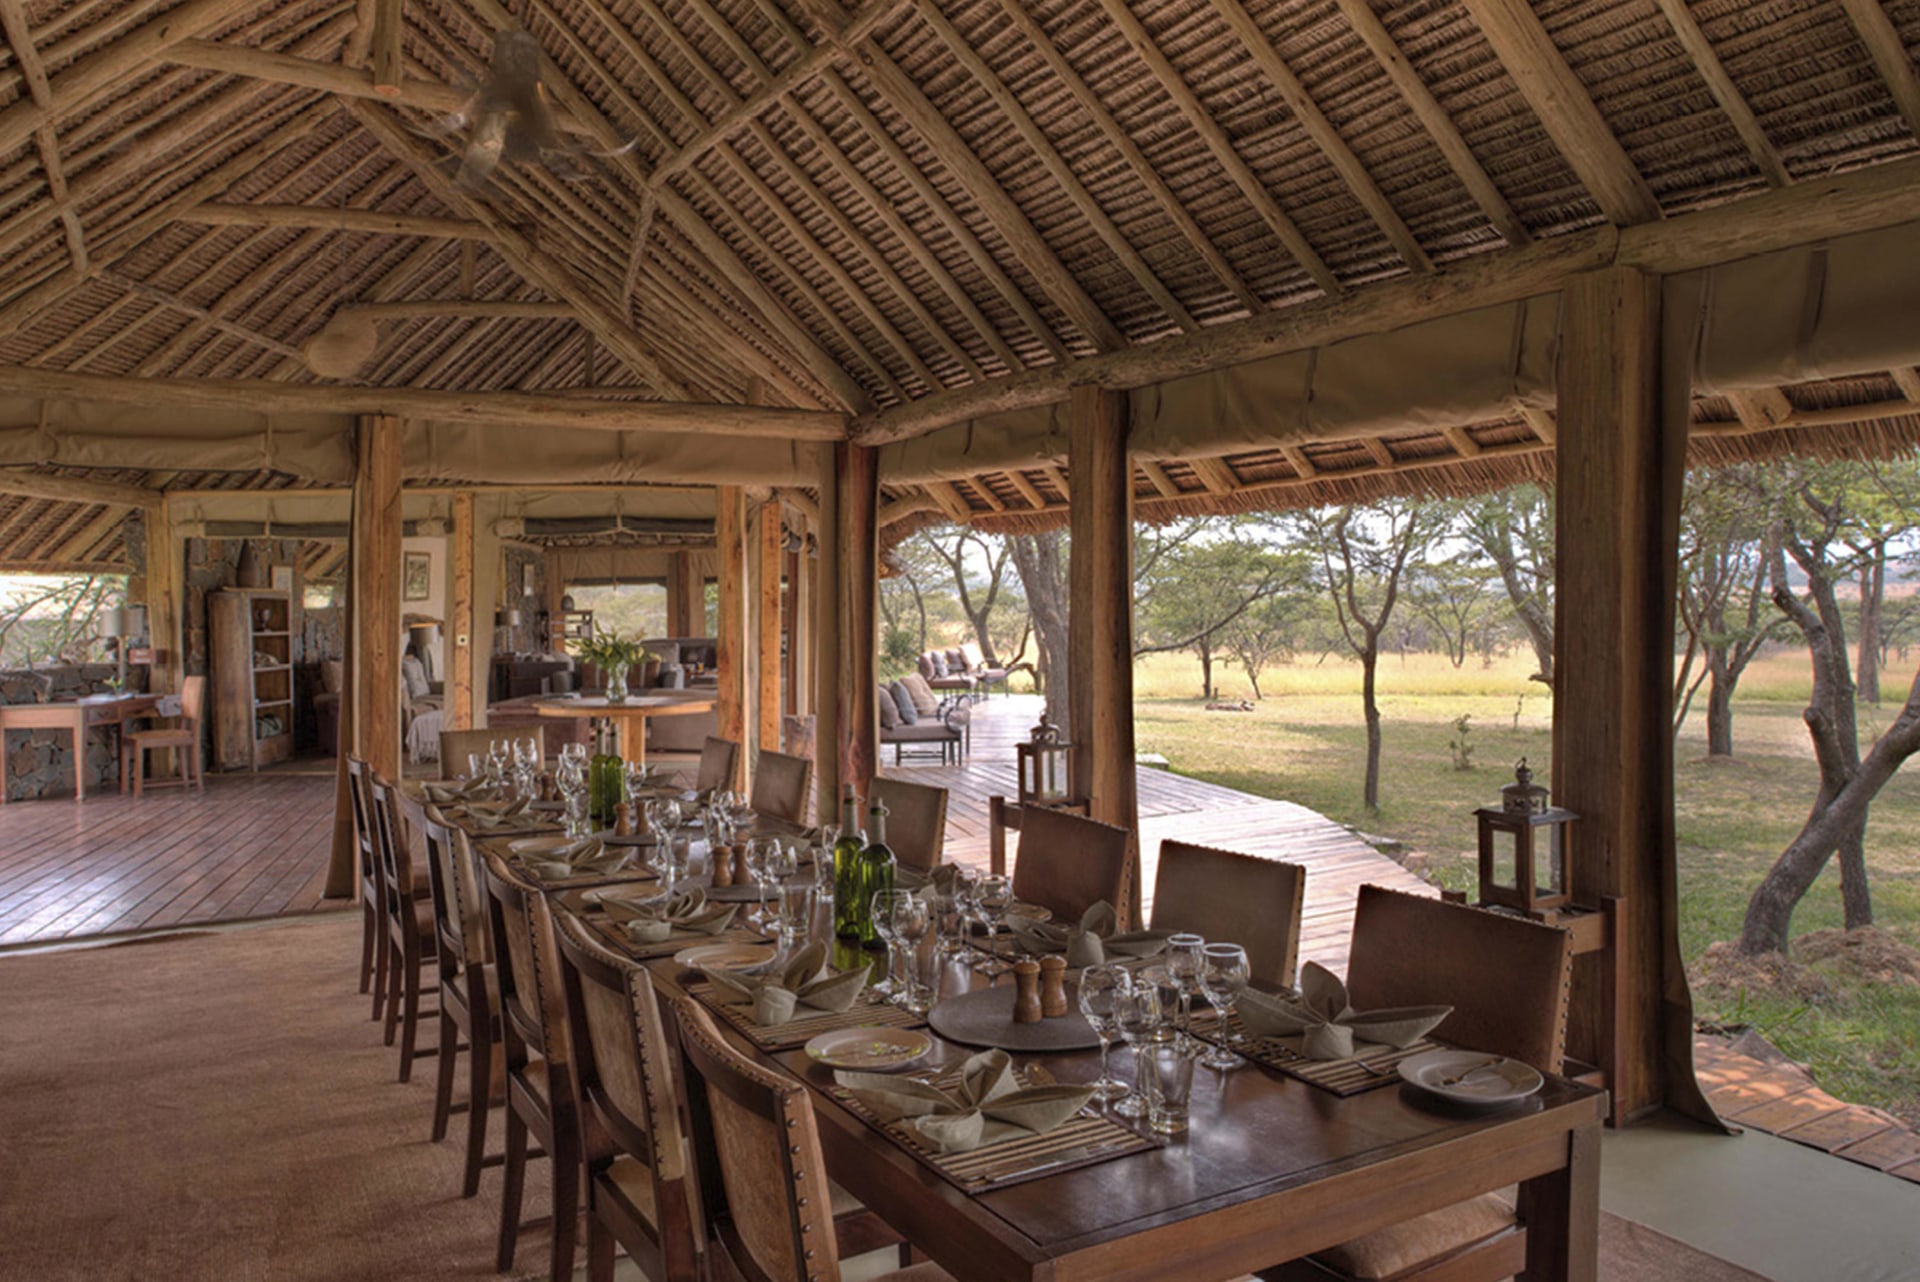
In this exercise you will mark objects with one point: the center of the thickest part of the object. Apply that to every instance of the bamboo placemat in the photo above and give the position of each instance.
(1084, 1141)
(796, 1031)
(1343, 1077)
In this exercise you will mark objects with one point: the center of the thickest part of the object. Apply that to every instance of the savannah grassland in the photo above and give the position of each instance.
(1306, 742)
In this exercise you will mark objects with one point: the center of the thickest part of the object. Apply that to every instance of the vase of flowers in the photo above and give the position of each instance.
(615, 656)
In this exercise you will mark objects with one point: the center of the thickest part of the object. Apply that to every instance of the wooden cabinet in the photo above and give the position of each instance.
(250, 657)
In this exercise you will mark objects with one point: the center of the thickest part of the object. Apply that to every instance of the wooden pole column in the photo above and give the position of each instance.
(1618, 473)
(377, 528)
(798, 610)
(460, 674)
(165, 579)
(824, 643)
(767, 623)
(857, 539)
(730, 532)
(1100, 619)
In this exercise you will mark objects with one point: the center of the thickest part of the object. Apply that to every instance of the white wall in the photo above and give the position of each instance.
(439, 572)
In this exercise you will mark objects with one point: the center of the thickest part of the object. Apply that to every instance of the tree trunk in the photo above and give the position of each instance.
(1369, 660)
(1253, 679)
(1039, 560)
(1719, 707)
(1873, 587)
(1206, 670)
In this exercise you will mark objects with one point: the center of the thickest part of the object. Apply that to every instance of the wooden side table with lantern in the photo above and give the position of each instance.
(1524, 850)
(1045, 779)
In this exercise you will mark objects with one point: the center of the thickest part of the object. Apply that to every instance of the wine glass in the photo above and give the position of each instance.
(759, 851)
(882, 909)
(966, 903)
(497, 756)
(944, 904)
(671, 857)
(1142, 1022)
(1185, 962)
(1223, 978)
(993, 897)
(1101, 988)
(572, 778)
(910, 919)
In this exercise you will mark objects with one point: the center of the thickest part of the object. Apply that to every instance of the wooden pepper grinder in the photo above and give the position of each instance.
(623, 820)
(1053, 986)
(720, 864)
(1026, 1000)
(741, 877)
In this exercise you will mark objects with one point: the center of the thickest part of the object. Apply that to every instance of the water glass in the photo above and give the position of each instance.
(1101, 988)
(1138, 1012)
(672, 858)
(1223, 979)
(992, 897)
(1169, 1063)
(476, 765)
(798, 897)
(910, 919)
(1185, 961)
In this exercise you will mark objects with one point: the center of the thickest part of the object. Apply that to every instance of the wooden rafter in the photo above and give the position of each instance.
(1541, 421)
(13, 22)
(1889, 53)
(1907, 379)
(1156, 477)
(1565, 109)
(1297, 459)
(1462, 441)
(1324, 135)
(1706, 60)
(67, 489)
(88, 536)
(346, 81)
(376, 221)
(1025, 488)
(388, 25)
(1761, 410)
(1216, 474)
(243, 332)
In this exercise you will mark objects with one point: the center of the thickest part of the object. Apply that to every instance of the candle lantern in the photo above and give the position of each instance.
(1045, 766)
(1523, 847)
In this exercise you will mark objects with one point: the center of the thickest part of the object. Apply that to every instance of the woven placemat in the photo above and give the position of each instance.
(1364, 1072)
(797, 1031)
(1086, 1140)
(984, 1017)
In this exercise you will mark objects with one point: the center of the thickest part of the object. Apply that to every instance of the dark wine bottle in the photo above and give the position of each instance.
(606, 781)
(876, 868)
(846, 865)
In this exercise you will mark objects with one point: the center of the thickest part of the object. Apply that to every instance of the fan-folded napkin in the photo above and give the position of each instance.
(803, 981)
(1092, 941)
(1327, 1024)
(651, 921)
(985, 1106)
(561, 859)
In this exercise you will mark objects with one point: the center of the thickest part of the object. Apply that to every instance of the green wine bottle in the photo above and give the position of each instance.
(876, 867)
(606, 781)
(846, 868)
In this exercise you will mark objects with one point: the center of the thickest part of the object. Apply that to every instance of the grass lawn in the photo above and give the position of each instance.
(1306, 742)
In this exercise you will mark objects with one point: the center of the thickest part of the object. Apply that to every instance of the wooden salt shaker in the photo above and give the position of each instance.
(1026, 1001)
(720, 862)
(741, 877)
(1053, 986)
(623, 820)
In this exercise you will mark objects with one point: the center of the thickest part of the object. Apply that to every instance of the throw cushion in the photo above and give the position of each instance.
(939, 662)
(889, 713)
(956, 663)
(903, 703)
(971, 653)
(1393, 1250)
(922, 694)
(414, 674)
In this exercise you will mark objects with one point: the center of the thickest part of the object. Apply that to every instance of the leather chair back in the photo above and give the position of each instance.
(916, 820)
(1234, 898)
(1069, 863)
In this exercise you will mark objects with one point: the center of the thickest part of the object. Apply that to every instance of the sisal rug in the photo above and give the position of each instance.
(219, 1106)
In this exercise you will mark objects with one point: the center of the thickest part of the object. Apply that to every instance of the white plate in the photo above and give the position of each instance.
(869, 1049)
(1470, 1077)
(723, 955)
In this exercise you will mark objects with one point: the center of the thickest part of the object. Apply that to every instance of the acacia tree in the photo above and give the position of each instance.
(1041, 561)
(915, 571)
(1724, 598)
(1269, 630)
(1451, 596)
(57, 619)
(1363, 555)
(995, 555)
(1191, 591)
(1514, 529)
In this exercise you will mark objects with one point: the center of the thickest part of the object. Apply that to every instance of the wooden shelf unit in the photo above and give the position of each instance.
(250, 654)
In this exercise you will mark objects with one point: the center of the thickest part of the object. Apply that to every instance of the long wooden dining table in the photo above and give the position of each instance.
(1272, 1169)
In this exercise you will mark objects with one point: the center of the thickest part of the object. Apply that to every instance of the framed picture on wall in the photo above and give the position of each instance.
(416, 582)
(283, 578)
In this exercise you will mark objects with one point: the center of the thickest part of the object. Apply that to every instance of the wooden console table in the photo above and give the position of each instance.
(77, 716)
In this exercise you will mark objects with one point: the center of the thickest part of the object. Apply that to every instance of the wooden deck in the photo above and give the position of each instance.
(1172, 805)
(251, 846)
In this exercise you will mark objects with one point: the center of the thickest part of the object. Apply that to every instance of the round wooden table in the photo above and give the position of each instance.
(629, 717)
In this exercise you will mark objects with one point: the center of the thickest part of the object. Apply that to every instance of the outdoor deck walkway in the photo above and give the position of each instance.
(1172, 805)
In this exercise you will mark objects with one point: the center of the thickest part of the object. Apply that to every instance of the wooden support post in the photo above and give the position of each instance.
(856, 533)
(730, 533)
(799, 624)
(825, 646)
(1619, 472)
(1100, 622)
(165, 591)
(375, 586)
(460, 674)
(767, 624)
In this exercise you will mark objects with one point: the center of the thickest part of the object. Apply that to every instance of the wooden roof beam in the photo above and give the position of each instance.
(1889, 52)
(958, 510)
(1216, 474)
(1907, 379)
(1026, 489)
(507, 408)
(1156, 477)
(245, 333)
(1761, 410)
(328, 77)
(1378, 448)
(1541, 421)
(1565, 110)
(375, 221)
(385, 39)
(1706, 60)
(1434, 119)
(1324, 135)
(13, 23)
(1462, 441)
(69, 489)
(89, 536)
(464, 308)
(1208, 130)
(907, 505)
(993, 501)
(1297, 459)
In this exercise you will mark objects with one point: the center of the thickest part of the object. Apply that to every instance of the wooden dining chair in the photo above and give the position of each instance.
(717, 758)
(767, 1207)
(184, 737)
(916, 820)
(373, 912)
(409, 938)
(1507, 979)
(1236, 898)
(637, 1190)
(469, 1006)
(780, 785)
(1068, 863)
(457, 745)
(537, 1052)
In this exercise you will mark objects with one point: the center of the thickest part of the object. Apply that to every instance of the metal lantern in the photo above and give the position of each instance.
(1045, 766)
(1523, 847)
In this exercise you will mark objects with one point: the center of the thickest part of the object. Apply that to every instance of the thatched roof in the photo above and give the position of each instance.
(865, 212)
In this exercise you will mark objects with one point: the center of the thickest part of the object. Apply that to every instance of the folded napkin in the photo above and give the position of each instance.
(510, 814)
(802, 982)
(1327, 1024)
(1092, 941)
(442, 793)
(557, 858)
(927, 882)
(987, 1105)
(651, 921)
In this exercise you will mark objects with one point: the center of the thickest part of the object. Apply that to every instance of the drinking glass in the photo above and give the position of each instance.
(497, 756)
(798, 895)
(823, 882)
(476, 765)
(572, 778)
(910, 918)
(882, 909)
(1142, 1023)
(1171, 1065)
(993, 897)
(943, 905)
(1100, 990)
(1223, 979)
(759, 851)
(673, 859)
(1185, 962)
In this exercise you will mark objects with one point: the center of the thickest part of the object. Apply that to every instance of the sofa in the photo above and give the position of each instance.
(918, 722)
(961, 669)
